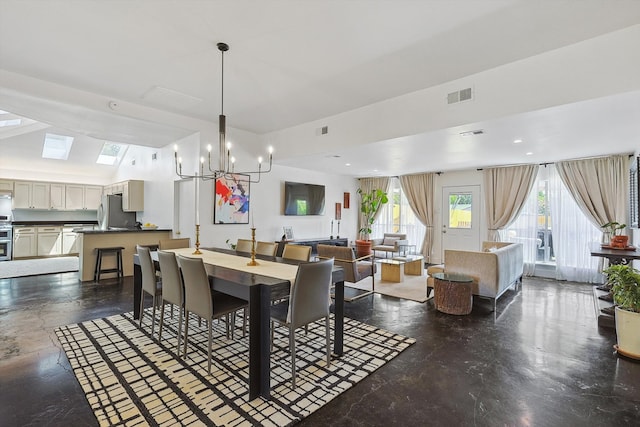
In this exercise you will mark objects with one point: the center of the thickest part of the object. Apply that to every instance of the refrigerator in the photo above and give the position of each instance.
(111, 215)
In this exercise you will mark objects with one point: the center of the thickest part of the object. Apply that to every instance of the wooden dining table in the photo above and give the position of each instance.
(258, 291)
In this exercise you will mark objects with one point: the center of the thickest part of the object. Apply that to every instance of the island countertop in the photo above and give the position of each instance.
(122, 230)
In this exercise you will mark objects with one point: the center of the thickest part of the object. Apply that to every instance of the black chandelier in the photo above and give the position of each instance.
(226, 165)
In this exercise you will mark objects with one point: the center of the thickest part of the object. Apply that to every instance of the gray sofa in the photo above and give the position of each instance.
(390, 243)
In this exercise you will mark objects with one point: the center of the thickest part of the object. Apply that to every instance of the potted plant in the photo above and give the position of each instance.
(369, 204)
(625, 287)
(614, 231)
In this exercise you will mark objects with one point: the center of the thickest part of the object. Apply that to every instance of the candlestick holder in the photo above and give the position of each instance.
(338, 233)
(197, 252)
(253, 248)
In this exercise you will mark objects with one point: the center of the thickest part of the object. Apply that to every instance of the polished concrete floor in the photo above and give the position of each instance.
(539, 360)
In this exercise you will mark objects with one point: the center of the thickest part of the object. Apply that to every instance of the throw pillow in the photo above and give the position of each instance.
(390, 241)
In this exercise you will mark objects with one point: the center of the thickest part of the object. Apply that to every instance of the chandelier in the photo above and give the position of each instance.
(226, 164)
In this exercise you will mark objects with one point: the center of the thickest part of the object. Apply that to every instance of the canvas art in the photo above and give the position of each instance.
(231, 201)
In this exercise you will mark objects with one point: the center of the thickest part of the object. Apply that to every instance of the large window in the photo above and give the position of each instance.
(398, 217)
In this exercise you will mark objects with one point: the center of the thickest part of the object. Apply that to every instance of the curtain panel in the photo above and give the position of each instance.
(367, 185)
(419, 191)
(506, 191)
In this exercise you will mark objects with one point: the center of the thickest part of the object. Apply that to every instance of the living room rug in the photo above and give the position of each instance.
(131, 379)
(32, 267)
(412, 288)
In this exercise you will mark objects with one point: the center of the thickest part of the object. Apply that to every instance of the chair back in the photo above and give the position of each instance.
(148, 269)
(309, 296)
(172, 288)
(174, 243)
(266, 248)
(297, 252)
(243, 245)
(197, 293)
(344, 257)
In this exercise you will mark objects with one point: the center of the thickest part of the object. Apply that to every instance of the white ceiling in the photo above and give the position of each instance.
(295, 63)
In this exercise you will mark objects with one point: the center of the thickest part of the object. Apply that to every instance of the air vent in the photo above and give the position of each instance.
(460, 96)
(322, 131)
(154, 156)
(472, 132)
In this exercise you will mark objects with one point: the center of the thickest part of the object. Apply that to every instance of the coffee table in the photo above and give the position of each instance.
(453, 293)
(394, 269)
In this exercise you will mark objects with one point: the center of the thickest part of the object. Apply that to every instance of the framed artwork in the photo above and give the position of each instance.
(288, 232)
(231, 201)
(338, 211)
(347, 196)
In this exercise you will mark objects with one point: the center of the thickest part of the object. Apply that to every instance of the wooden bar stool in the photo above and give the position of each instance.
(117, 251)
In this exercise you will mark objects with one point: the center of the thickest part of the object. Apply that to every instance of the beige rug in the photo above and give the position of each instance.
(413, 287)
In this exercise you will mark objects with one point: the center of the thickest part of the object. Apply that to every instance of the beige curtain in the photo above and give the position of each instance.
(599, 186)
(367, 185)
(420, 190)
(506, 191)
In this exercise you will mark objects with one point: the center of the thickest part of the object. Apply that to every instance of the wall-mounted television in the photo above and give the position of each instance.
(303, 199)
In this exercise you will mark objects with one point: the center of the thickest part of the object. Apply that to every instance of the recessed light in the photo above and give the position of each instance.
(529, 153)
(517, 141)
(347, 164)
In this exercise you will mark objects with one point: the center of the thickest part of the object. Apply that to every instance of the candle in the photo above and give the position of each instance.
(197, 200)
(252, 224)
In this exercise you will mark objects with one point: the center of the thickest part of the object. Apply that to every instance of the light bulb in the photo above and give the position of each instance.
(260, 159)
(175, 147)
(209, 148)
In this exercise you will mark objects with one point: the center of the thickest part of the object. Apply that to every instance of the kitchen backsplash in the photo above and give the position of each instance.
(44, 215)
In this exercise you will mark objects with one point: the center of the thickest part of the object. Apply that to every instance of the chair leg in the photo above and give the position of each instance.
(179, 329)
(153, 315)
(328, 336)
(141, 309)
(272, 326)
(210, 324)
(292, 350)
(227, 324)
(161, 321)
(186, 333)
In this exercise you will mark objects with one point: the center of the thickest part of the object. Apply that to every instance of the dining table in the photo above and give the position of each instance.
(259, 291)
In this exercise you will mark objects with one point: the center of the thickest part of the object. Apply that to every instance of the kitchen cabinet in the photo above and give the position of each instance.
(49, 241)
(79, 197)
(6, 185)
(57, 196)
(24, 242)
(31, 195)
(132, 194)
(69, 241)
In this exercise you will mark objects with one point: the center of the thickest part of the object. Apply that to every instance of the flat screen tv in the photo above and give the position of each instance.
(303, 199)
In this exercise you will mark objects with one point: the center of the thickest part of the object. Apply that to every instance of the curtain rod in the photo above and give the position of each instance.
(551, 163)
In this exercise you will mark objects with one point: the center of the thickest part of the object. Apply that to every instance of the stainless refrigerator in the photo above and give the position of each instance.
(111, 215)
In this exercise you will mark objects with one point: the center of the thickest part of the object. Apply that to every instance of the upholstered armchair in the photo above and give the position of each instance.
(390, 243)
(355, 269)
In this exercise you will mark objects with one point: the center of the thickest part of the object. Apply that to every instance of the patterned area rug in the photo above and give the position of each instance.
(131, 379)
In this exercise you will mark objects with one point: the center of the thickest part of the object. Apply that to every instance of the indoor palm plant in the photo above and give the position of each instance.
(625, 287)
(370, 202)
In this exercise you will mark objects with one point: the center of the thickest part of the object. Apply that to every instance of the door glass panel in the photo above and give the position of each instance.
(460, 210)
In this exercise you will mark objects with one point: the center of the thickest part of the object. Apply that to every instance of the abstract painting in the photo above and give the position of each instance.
(231, 201)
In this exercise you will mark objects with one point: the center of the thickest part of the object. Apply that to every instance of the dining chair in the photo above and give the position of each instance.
(266, 248)
(172, 290)
(150, 285)
(297, 252)
(243, 245)
(308, 301)
(174, 243)
(200, 300)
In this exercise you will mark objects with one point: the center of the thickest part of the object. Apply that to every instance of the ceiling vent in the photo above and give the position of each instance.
(460, 96)
(322, 131)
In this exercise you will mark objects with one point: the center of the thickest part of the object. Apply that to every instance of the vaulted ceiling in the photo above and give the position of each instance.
(562, 76)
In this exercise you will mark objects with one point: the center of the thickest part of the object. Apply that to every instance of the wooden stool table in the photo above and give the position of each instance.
(453, 293)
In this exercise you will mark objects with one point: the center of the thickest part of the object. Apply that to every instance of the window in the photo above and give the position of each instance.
(112, 153)
(460, 210)
(398, 217)
(56, 147)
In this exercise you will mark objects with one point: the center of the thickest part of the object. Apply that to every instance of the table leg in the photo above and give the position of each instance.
(137, 289)
(259, 342)
(338, 333)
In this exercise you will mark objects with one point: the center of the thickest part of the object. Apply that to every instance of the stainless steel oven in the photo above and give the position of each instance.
(6, 237)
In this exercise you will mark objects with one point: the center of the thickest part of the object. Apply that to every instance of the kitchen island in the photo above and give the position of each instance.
(89, 240)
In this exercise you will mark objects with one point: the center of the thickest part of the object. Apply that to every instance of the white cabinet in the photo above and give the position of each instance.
(31, 195)
(69, 241)
(6, 185)
(83, 197)
(133, 196)
(24, 242)
(49, 241)
(57, 196)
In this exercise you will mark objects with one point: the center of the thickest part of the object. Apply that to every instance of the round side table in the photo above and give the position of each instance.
(453, 293)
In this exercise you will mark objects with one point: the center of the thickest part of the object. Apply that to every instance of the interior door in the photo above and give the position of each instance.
(461, 218)
(184, 223)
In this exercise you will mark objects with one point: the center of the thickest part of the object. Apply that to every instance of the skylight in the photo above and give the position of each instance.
(56, 146)
(111, 153)
(11, 122)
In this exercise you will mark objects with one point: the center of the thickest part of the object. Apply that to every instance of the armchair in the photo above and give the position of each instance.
(391, 242)
(355, 269)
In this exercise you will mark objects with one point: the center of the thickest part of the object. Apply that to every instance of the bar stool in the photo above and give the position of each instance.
(117, 251)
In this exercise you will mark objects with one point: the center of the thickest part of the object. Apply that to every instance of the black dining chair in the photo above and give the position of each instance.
(308, 301)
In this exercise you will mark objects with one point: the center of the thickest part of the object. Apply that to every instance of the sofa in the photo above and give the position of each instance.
(496, 268)
(390, 243)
